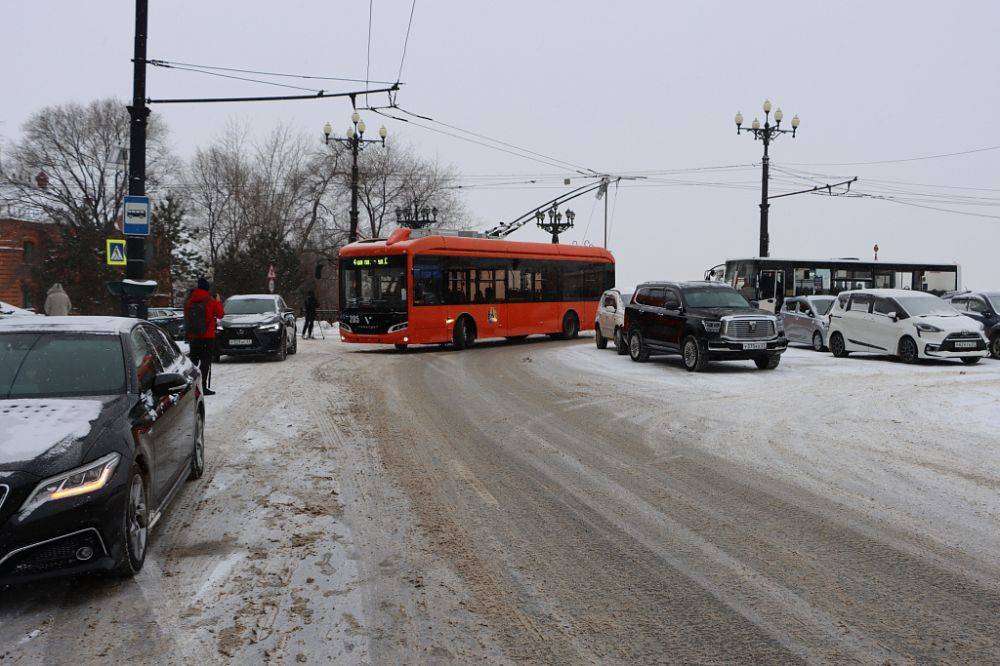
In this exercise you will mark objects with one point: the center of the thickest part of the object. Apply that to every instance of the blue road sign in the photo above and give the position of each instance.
(137, 216)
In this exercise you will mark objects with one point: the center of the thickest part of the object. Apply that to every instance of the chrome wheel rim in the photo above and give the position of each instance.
(633, 346)
(138, 518)
(690, 354)
(817, 341)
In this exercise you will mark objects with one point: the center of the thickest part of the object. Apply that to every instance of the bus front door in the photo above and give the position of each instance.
(771, 289)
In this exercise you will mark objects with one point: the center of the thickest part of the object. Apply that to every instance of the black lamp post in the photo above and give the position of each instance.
(418, 218)
(555, 224)
(766, 134)
(356, 140)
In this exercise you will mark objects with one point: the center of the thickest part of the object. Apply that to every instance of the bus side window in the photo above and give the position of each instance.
(427, 281)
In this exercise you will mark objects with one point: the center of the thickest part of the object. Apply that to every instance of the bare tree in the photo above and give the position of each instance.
(66, 166)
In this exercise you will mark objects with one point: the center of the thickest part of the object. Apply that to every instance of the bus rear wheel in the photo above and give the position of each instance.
(570, 326)
(464, 334)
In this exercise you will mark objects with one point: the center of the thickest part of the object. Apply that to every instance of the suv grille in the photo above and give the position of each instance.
(749, 329)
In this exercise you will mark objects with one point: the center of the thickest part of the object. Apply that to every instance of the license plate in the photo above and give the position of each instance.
(754, 345)
(966, 345)
(240, 343)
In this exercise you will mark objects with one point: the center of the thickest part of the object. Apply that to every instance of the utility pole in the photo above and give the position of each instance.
(604, 191)
(138, 114)
(766, 134)
(355, 139)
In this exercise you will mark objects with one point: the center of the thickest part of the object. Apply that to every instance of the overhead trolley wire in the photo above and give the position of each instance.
(406, 40)
(175, 64)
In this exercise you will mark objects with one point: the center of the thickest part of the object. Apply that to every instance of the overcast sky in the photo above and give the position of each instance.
(621, 87)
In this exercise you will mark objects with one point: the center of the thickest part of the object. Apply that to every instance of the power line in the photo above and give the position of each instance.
(905, 159)
(368, 66)
(406, 40)
(237, 78)
(498, 141)
(167, 63)
(890, 199)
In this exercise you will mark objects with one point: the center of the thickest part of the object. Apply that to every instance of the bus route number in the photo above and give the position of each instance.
(370, 261)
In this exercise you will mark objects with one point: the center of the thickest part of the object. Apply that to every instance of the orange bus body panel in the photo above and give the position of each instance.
(433, 324)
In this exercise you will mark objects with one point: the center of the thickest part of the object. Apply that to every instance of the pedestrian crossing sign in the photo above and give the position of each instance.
(116, 252)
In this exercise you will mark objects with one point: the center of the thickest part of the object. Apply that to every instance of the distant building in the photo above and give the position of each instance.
(23, 245)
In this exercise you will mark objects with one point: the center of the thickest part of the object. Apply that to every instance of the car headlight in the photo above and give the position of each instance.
(711, 326)
(80, 481)
(924, 327)
(270, 327)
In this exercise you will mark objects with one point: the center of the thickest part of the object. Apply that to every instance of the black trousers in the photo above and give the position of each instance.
(202, 354)
(307, 326)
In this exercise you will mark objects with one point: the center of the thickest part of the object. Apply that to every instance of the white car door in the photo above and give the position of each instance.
(857, 325)
(606, 315)
(885, 330)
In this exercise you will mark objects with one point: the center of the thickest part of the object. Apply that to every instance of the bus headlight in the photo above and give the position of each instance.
(395, 328)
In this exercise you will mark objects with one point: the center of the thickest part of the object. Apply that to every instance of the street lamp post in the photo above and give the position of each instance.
(766, 134)
(356, 140)
(555, 224)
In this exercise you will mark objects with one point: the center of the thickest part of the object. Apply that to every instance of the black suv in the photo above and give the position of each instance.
(983, 306)
(701, 321)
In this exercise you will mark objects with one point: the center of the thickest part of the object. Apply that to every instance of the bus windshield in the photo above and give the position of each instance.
(374, 283)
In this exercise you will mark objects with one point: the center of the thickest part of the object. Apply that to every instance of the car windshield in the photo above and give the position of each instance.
(822, 305)
(375, 283)
(245, 306)
(714, 297)
(994, 298)
(925, 305)
(56, 364)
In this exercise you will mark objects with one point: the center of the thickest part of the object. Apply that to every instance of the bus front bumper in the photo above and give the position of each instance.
(395, 338)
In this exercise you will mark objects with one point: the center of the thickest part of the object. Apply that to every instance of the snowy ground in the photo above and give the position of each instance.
(550, 502)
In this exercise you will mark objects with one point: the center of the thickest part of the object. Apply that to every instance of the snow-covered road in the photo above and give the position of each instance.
(550, 502)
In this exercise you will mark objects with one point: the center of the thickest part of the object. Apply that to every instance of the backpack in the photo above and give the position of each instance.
(196, 318)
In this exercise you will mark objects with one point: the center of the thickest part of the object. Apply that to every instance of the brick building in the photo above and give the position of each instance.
(23, 244)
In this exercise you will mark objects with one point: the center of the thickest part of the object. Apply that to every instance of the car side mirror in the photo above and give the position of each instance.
(811, 315)
(168, 382)
(893, 316)
(755, 304)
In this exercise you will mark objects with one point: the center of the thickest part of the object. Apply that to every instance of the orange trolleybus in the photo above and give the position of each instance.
(421, 287)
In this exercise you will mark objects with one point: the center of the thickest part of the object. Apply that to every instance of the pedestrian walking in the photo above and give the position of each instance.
(201, 312)
(311, 305)
(57, 303)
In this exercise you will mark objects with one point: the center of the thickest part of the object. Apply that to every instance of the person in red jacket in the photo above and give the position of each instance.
(201, 312)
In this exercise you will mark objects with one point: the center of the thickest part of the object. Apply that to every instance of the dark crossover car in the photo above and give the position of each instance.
(170, 320)
(101, 422)
(701, 321)
(984, 307)
(256, 325)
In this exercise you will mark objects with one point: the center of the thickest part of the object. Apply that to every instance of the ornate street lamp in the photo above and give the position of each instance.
(355, 138)
(555, 224)
(766, 134)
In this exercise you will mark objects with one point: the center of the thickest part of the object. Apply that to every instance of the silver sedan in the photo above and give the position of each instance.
(805, 319)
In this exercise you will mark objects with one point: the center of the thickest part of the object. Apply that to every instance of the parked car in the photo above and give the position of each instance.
(608, 325)
(84, 474)
(701, 321)
(257, 325)
(805, 319)
(984, 307)
(170, 320)
(910, 325)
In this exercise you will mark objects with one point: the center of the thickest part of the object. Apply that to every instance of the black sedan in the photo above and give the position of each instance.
(170, 320)
(256, 325)
(101, 422)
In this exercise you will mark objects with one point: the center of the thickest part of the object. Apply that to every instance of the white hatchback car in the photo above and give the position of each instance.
(610, 320)
(911, 325)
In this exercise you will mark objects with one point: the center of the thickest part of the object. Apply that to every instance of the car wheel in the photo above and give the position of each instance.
(995, 346)
(463, 336)
(599, 339)
(135, 526)
(570, 326)
(769, 362)
(620, 345)
(295, 344)
(400, 347)
(837, 346)
(198, 454)
(970, 360)
(637, 349)
(694, 355)
(908, 350)
(818, 342)
(282, 352)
